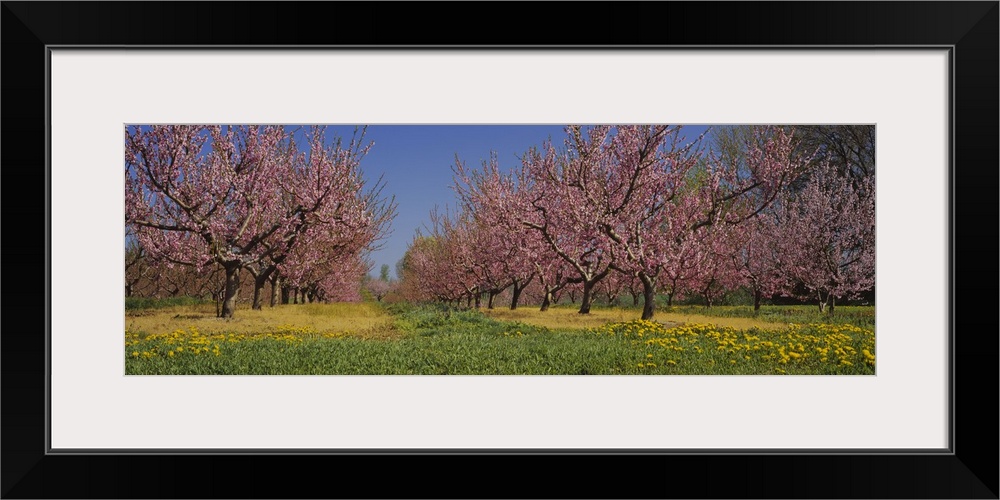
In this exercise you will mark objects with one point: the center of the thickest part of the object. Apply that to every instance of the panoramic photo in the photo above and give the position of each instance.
(499, 249)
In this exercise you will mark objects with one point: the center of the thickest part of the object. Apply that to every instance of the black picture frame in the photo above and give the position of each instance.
(969, 470)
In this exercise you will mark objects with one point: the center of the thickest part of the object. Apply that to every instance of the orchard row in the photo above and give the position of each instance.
(638, 208)
(249, 200)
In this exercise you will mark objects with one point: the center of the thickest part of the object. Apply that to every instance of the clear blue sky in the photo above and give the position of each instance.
(416, 162)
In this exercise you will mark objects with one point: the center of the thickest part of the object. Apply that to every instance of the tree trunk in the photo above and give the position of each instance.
(572, 296)
(547, 300)
(286, 292)
(707, 293)
(492, 295)
(468, 301)
(479, 299)
(833, 303)
(670, 299)
(551, 295)
(275, 289)
(648, 296)
(588, 287)
(756, 300)
(258, 291)
(232, 288)
(258, 288)
(516, 294)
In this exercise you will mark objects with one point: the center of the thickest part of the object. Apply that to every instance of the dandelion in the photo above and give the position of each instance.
(171, 354)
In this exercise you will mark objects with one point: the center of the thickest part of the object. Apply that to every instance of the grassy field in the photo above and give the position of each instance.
(863, 316)
(369, 339)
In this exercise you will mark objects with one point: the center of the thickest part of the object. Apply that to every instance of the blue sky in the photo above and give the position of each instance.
(416, 162)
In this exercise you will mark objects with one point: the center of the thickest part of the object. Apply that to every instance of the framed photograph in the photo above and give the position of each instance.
(78, 423)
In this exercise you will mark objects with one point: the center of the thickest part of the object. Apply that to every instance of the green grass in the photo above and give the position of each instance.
(863, 316)
(432, 354)
(436, 340)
